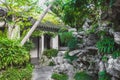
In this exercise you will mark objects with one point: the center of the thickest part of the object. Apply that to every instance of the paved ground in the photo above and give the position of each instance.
(35, 61)
(41, 73)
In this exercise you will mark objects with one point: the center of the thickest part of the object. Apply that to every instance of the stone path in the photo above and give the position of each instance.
(42, 73)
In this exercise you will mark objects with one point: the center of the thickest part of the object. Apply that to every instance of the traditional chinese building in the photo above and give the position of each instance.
(46, 41)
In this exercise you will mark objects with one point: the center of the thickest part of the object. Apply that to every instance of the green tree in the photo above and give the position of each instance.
(74, 12)
(18, 13)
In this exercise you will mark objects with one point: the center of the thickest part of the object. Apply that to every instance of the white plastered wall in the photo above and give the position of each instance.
(55, 42)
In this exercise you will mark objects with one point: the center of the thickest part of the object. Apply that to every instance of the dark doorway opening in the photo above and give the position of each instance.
(47, 40)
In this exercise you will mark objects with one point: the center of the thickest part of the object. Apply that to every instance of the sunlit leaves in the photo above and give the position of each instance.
(74, 12)
(21, 7)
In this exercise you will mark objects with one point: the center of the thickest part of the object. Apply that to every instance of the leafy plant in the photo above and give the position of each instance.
(62, 76)
(65, 37)
(24, 73)
(106, 45)
(12, 54)
(37, 33)
(111, 3)
(68, 39)
(70, 58)
(104, 58)
(3, 33)
(101, 33)
(72, 44)
(103, 76)
(51, 63)
(74, 12)
(29, 45)
(63, 29)
(50, 53)
(82, 76)
(52, 34)
(93, 28)
(116, 54)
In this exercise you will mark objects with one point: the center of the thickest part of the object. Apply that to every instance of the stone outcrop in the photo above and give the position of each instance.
(117, 37)
(89, 58)
(62, 66)
(113, 67)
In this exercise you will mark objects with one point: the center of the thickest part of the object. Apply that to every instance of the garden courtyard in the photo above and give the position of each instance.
(59, 39)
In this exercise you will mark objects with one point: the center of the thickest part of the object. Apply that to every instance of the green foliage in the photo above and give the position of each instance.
(106, 45)
(51, 63)
(20, 13)
(52, 34)
(104, 58)
(111, 3)
(3, 34)
(12, 54)
(20, 8)
(65, 36)
(28, 45)
(52, 18)
(82, 76)
(24, 32)
(24, 24)
(56, 76)
(68, 39)
(103, 76)
(74, 12)
(72, 44)
(101, 33)
(24, 73)
(50, 53)
(116, 54)
(37, 33)
(70, 58)
(63, 29)
(93, 29)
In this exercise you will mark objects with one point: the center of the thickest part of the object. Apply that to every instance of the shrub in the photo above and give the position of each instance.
(12, 54)
(65, 37)
(62, 76)
(23, 73)
(51, 63)
(68, 39)
(28, 45)
(103, 76)
(50, 53)
(116, 54)
(70, 58)
(82, 76)
(106, 45)
(72, 44)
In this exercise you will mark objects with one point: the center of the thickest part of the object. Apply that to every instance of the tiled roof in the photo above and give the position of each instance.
(49, 27)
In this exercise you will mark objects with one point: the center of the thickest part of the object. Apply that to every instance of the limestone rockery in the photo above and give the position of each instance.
(89, 58)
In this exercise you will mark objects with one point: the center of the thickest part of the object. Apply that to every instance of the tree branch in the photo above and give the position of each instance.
(35, 24)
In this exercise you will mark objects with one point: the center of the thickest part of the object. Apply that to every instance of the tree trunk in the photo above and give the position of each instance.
(35, 25)
(13, 31)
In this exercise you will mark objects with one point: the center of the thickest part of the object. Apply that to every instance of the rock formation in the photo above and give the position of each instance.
(89, 59)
